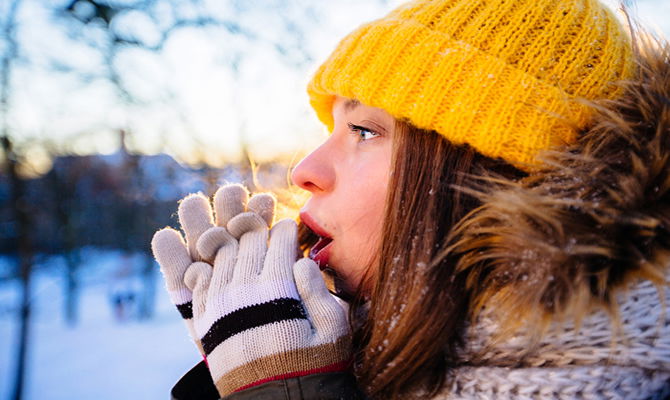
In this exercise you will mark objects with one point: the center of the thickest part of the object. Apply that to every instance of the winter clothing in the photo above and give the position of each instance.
(256, 293)
(197, 385)
(568, 269)
(261, 315)
(175, 256)
(573, 262)
(590, 361)
(195, 217)
(586, 238)
(492, 74)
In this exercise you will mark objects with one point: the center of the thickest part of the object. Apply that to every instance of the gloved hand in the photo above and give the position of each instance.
(174, 255)
(261, 315)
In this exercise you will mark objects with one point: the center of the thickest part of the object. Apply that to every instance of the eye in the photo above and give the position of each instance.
(363, 133)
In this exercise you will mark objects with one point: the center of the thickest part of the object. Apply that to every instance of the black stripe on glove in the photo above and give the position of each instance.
(186, 310)
(251, 317)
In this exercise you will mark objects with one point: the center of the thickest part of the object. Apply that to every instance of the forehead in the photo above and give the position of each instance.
(351, 104)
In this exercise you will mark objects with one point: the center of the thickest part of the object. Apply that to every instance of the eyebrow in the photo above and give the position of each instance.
(351, 104)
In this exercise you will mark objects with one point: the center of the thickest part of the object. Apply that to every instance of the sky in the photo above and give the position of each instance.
(191, 104)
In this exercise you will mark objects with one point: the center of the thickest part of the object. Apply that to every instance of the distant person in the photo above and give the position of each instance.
(123, 289)
(547, 278)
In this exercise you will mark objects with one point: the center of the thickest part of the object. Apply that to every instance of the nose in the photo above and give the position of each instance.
(316, 172)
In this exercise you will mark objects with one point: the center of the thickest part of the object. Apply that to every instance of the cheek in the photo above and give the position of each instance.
(365, 216)
(359, 245)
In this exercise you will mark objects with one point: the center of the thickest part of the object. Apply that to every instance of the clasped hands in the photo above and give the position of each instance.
(255, 311)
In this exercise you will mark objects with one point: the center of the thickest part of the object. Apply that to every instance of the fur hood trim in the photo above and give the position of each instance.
(596, 218)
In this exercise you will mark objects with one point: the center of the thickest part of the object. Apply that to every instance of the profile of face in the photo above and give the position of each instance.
(347, 177)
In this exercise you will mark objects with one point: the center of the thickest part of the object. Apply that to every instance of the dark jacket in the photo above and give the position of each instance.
(197, 384)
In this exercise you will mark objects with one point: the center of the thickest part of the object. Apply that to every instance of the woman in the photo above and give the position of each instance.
(493, 201)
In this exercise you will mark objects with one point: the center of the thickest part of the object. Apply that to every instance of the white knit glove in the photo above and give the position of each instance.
(260, 314)
(174, 255)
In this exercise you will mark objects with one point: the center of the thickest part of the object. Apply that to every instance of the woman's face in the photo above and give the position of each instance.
(347, 177)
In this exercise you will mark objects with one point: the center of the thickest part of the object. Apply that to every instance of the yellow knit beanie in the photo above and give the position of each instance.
(500, 75)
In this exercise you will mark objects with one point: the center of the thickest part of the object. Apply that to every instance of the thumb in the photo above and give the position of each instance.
(172, 255)
(263, 204)
(197, 278)
(327, 316)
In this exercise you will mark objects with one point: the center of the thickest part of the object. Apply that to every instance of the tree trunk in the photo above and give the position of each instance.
(18, 201)
(21, 212)
(24, 330)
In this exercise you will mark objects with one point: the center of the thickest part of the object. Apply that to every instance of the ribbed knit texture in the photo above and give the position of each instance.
(592, 361)
(255, 312)
(175, 253)
(259, 314)
(499, 75)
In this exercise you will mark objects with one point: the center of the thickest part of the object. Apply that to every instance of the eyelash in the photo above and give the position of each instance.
(357, 130)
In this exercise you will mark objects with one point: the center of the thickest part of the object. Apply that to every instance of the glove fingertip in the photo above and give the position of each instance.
(195, 209)
(196, 274)
(211, 241)
(324, 311)
(166, 234)
(284, 242)
(191, 200)
(230, 200)
(168, 247)
(287, 225)
(232, 190)
(264, 204)
(245, 222)
(308, 276)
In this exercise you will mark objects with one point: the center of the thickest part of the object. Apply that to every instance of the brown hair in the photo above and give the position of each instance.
(408, 337)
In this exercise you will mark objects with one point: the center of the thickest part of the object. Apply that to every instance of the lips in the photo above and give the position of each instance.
(320, 252)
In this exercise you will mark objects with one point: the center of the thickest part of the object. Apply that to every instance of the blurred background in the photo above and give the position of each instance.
(110, 112)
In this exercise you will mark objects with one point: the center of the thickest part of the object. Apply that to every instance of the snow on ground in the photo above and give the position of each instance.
(100, 358)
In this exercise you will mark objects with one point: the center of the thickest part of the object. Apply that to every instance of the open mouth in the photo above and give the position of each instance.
(320, 251)
(318, 246)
